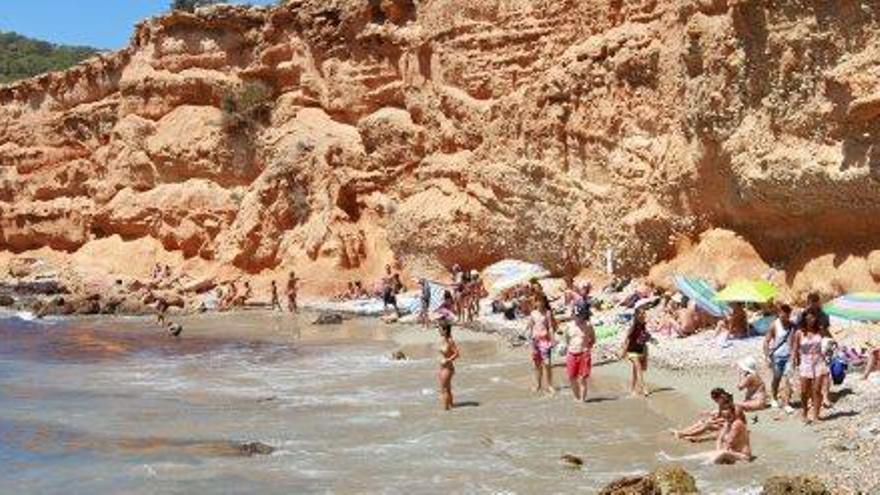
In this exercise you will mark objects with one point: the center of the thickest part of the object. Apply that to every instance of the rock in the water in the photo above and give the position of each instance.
(571, 460)
(666, 480)
(175, 329)
(398, 356)
(255, 448)
(674, 479)
(328, 319)
(795, 485)
(630, 485)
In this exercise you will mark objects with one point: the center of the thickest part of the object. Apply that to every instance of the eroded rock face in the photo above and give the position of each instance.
(338, 135)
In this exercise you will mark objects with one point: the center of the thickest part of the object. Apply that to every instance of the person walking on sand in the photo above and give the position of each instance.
(390, 284)
(811, 366)
(635, 348)
(448, 354)
(579, 338)
(777, 351)
(541, 326)
(751, 384)
(814, 307)
(292, 283)
(425, 302)
(275, 302)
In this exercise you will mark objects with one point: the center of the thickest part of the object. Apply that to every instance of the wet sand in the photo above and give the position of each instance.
(110, 405)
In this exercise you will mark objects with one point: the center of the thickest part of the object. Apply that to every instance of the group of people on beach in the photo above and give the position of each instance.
(795, 345)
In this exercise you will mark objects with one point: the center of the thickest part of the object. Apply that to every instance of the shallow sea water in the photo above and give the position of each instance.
(114, 406)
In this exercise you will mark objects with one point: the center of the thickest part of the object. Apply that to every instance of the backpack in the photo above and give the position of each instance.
(838, 370)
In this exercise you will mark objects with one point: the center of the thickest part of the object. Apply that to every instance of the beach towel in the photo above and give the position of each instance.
(604, 332)
(509, 273)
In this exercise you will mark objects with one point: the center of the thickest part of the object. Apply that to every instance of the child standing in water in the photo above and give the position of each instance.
(541, 326)
(635, 348)
(448, 355)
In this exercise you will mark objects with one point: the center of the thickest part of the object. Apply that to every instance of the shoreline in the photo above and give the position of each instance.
(677, 394)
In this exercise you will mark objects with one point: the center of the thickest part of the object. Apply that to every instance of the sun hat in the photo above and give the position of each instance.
(748, 364)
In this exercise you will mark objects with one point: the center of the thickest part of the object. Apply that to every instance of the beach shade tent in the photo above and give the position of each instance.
(508, 273)
(746, 291)
(861, 306)
(702, 293)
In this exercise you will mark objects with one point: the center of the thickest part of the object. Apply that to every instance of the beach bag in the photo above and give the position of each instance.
(838, 370)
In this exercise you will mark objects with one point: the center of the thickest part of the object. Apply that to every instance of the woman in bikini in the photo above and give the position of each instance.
(635, 348)
(811, 366)
(448, 355)
(541, 325)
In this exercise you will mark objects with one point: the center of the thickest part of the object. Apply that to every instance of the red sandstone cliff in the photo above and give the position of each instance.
(334, 135)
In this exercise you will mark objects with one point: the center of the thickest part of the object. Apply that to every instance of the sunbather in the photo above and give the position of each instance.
(752, 385)
(736, 325)
(708, 421)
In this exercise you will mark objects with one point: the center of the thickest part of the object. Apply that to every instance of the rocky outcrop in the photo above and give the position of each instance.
(333, 137)
(802, 485)
(665, 480)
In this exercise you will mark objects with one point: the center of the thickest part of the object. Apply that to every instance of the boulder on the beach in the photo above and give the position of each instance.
(255, 448)
(798, 485)
(665, 480)
(673, 479)
(398, 356)
(328, 319)
(6, 300)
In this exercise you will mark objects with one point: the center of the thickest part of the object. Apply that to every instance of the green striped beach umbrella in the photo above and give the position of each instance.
(702, 294)
(860, 306)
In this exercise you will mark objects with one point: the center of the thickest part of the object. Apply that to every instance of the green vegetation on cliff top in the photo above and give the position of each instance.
(22, 57)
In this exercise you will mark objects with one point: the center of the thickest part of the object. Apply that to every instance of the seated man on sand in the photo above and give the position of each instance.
(736, 325)
(752, 385)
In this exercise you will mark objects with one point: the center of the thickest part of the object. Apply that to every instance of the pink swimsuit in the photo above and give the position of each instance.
(812, 364)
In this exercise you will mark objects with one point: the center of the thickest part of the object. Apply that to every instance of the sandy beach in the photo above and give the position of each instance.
(840, 450)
